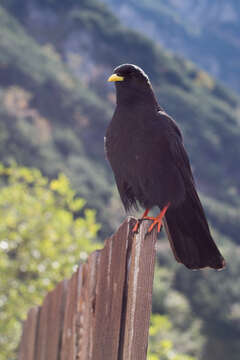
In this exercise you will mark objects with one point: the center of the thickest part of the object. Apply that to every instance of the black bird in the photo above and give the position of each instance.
(145, 149)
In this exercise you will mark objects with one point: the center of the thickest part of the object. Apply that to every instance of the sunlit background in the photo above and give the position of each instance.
(58, 200)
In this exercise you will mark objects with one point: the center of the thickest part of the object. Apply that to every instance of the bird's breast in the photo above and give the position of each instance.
(131, 142)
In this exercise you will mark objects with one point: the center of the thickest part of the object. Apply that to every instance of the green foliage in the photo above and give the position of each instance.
(53, 116)
(160, 348)
(177, 307)
(20, 53)
(41, 240)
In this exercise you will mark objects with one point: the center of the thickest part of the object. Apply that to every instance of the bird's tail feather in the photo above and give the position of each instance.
(189, 235)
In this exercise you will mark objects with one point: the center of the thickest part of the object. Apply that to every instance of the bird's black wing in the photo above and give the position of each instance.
(186, 224)
(114, 149)
(175, 147)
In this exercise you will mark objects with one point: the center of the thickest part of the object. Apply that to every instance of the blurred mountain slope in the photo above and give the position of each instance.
(77, 47)
(205, 31)
(55, 105)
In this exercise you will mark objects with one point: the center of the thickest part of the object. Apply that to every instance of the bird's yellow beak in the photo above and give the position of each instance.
(115, 77)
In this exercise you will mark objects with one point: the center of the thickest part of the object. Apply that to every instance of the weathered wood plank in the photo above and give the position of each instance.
(55, 320)
(103, 311)
(86, 308)
(109, 294)
(41, 343)
(68, 332)
(28, 340)
(138, 295)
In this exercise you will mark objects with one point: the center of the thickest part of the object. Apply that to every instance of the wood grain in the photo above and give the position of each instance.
(134, 341)
(109, 295)
(68, 333)
(29, 335)
(86, 308)
(102, 312)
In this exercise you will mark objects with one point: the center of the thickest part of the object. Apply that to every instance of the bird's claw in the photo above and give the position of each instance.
(137, 225)
(156, 221)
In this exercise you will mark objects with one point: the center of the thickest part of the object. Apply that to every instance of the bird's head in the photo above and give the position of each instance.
(130, 74)
(132, 84)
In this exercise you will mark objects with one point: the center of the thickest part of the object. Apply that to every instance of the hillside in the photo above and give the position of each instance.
(205, 31)
(77, 71)
(55, 104)
(46, 113)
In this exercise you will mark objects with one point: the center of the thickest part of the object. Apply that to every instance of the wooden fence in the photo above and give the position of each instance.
(103, 311)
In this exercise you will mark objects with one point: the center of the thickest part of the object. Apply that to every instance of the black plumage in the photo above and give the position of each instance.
(151, 167)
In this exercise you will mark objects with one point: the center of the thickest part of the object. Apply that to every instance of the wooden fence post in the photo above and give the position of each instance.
(138, 296)
(103, 311)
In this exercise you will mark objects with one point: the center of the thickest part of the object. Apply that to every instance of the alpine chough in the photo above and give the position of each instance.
(145, 148)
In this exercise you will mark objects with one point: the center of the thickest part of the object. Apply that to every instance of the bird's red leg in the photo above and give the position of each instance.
(135, 229)
(158, 219)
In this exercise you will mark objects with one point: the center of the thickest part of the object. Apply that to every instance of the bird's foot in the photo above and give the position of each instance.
(157, 220)
(136, 226)
(144, 216)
